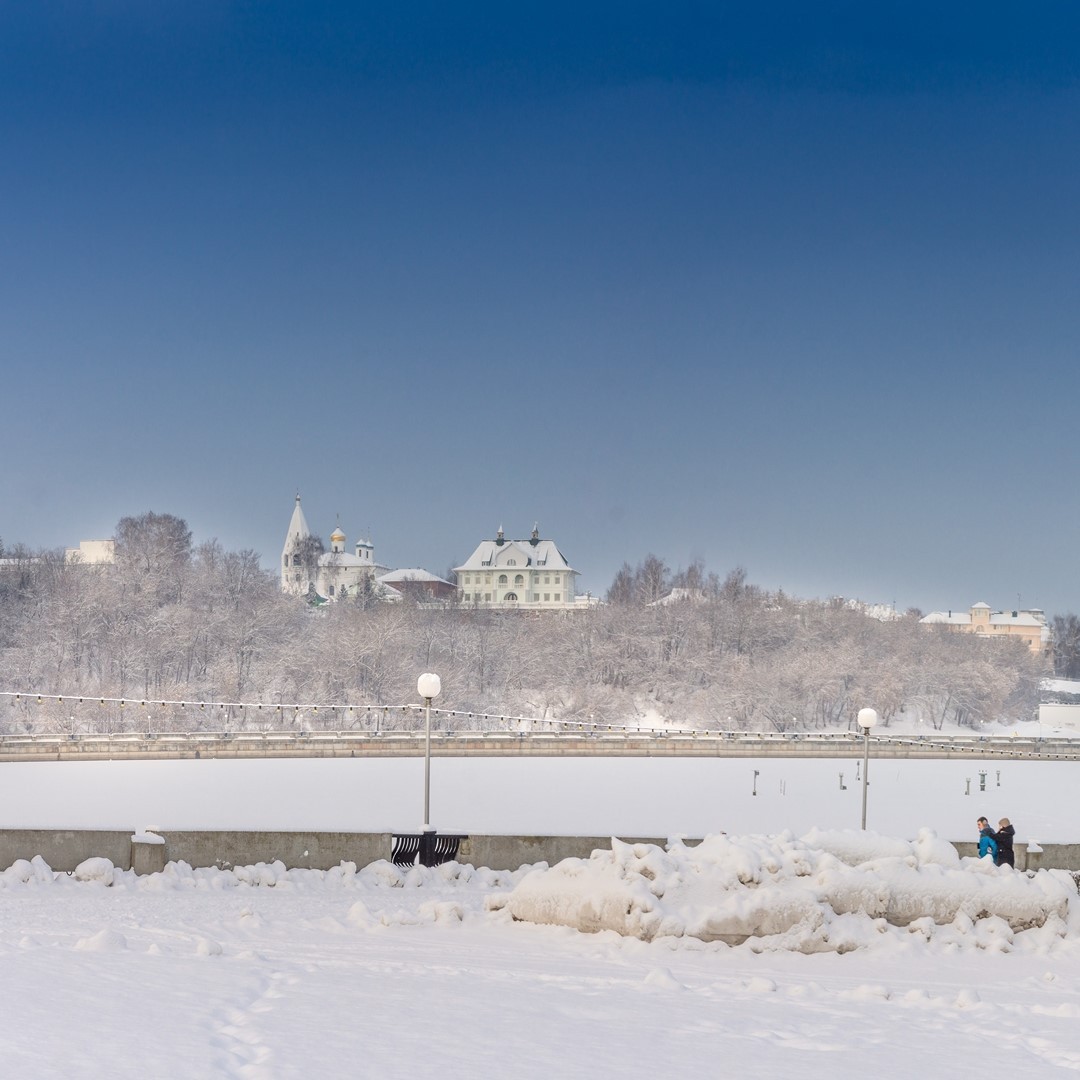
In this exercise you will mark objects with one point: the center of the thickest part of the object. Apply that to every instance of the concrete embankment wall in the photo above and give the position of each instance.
(63, 850)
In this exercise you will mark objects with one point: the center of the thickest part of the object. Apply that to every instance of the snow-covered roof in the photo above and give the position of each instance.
(678, 596)
(298, 526)
(950, 618)
(1028, 618)
(1022, 618)
(343, 559)
(411, 574)
(525, 553)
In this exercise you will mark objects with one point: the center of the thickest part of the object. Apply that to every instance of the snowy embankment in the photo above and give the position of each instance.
(259, 971)
(826, 892)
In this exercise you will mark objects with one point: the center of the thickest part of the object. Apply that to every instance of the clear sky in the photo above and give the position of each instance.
(785, 286)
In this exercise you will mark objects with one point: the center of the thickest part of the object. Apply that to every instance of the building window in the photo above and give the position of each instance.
(487, 598)
(502, 579)
(547, 579)
(511, 596)
(558, 578)
(547, 596)
(296, 560)
(519, 580)
(286, 559)
(558, 597)
(331, 590)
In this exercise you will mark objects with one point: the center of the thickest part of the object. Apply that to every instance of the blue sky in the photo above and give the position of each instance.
(783, 286)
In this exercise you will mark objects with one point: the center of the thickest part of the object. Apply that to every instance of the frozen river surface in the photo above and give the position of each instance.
(570, 796)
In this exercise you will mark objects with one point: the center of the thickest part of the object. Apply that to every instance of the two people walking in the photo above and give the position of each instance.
(998, 845)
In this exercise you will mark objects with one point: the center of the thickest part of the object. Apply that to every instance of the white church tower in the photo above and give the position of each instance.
(295, 575)
(333, 574)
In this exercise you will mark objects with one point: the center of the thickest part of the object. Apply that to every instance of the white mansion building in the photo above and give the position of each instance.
(525, 574)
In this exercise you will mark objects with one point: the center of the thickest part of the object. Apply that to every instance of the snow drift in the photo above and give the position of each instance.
(827, 891)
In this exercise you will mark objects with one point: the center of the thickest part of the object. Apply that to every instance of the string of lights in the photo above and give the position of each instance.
(1005, 747)
(296, 708)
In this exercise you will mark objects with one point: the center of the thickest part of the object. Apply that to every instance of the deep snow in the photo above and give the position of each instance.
(262, 972)
(374, 972)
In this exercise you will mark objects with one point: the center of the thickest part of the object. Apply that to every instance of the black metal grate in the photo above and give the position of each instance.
(429, 848)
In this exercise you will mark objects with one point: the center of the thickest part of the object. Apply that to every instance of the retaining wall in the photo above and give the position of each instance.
(64, 849)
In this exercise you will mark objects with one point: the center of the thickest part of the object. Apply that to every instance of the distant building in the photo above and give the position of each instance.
(331, 575)
(517, 575)
(92, 552)
(417, 584)
(680, 595)
(1027, 625)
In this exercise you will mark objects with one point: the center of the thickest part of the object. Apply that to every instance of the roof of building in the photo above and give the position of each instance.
(343, 558)
(411, 574)
(680, 596)
(298, 526)
(1028, 618)
(950, 618)
(523, 553)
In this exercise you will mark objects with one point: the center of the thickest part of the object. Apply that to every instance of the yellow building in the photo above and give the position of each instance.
(1029, 625)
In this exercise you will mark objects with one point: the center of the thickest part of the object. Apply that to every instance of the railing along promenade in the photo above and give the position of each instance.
(88, 729)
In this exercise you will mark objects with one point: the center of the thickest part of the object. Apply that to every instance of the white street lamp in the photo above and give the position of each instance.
(428, 686)
(867, 719)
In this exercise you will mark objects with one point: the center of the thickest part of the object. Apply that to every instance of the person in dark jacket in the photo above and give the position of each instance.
(987, 843)
(1004, 839)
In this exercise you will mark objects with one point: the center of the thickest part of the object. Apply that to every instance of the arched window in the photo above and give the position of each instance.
(511, 596)
(519, 580)
(502, 579)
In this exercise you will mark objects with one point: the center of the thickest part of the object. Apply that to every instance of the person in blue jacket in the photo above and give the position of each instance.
(987, 843)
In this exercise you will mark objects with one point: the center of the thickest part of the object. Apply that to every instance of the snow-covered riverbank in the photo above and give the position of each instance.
(266, 973)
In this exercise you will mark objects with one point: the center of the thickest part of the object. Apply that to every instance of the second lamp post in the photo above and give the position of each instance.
(867, 719)
(428, 686)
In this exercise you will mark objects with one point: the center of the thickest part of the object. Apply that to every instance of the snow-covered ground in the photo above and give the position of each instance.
(930, 965)
(378, 972)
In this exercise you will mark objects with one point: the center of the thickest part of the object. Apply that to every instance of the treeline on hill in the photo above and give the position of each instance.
(174, 621)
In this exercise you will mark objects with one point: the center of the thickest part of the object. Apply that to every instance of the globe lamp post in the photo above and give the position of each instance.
(428, 686)
(867, 719)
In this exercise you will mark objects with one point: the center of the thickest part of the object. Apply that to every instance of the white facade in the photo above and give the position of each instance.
(333, 575)
(92, 552)
(527, 575)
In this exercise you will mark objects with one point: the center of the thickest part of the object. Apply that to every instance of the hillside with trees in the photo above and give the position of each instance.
(175, 621)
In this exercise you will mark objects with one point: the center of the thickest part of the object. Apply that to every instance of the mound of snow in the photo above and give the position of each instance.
(103, 941)
(97, 869)
(828, 891)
